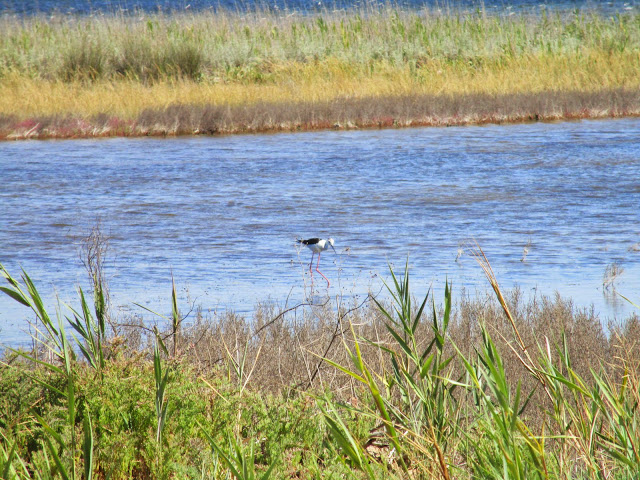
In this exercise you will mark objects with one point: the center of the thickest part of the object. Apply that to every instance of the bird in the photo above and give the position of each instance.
(318, 245)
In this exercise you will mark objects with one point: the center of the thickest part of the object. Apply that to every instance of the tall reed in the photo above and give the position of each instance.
(414, 402)
(61, 352)
(257, 47)
(589, 429)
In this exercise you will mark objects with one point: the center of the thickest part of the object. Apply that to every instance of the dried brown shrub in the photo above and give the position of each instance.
(283, 348)
(389, 111)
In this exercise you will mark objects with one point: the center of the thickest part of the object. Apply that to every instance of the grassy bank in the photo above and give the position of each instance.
(493, 387)
(107, 73)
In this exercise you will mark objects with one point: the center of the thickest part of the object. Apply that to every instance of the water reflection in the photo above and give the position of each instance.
(614, 301)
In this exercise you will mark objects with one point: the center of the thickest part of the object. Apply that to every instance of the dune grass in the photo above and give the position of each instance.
(121, 66)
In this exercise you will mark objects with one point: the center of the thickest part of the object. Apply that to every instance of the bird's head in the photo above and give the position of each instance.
(330, 240)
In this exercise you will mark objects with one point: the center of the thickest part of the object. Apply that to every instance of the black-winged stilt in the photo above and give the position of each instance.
(318, 245)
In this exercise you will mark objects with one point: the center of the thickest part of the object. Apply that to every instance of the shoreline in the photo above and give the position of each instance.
(338, 114)
(200, 73)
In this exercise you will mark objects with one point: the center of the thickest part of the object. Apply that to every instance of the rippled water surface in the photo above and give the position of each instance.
(84, 7)
(222, 213)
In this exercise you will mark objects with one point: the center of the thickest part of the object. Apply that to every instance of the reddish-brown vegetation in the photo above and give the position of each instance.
(340, 113)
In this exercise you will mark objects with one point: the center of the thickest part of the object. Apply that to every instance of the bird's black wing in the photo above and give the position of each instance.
(310, 241)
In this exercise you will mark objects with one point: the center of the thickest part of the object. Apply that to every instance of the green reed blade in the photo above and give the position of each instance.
(8, 460)
(16, 295)
(87, 447)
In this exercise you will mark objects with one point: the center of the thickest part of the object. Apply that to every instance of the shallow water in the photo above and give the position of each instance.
(500, 7)
(223, 213)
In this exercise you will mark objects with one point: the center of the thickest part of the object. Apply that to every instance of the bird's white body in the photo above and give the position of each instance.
(320, 246)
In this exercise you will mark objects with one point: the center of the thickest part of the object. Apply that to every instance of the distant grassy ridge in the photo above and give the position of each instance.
(86, 68)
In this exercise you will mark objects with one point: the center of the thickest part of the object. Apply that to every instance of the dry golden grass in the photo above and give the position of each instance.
(24, 97)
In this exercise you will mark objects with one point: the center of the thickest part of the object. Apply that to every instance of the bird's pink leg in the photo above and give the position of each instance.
(317, 270)
(311, 263)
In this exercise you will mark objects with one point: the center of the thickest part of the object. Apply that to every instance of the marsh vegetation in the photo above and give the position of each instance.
(106, 75)
(408, 387)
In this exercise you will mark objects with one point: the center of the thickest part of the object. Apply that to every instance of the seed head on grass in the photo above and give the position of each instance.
(522, 351)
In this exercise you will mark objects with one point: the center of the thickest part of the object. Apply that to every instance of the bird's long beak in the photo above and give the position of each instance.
(334, 250)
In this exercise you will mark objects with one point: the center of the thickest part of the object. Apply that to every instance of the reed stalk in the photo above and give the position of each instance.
(58, 344)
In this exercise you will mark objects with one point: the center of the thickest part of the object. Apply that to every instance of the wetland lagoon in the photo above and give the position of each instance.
(200, 347)
(553, 205)
(222, 214)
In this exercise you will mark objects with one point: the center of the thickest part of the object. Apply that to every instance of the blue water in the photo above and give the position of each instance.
(84, 7)
(222, 213)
